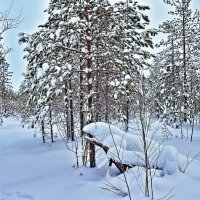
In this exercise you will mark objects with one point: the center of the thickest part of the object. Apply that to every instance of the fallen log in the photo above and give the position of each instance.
(121, 166)
(99, 144)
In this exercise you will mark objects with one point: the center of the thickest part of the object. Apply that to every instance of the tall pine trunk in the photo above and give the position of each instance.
(89, 83)
(184, 60)
(81, 99)
(107, 97)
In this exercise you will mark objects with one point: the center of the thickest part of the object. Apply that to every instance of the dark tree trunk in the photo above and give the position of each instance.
(107, 97)
(97, 103)
(71, 111)
(67, 110)
(127, 116)
(43, 131)
(92, 155)
(184, 60)
(51, 126)
(81, 99)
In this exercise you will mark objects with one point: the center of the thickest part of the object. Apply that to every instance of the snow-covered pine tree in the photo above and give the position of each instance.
(5, 86)
(130, 38)
(5, 83)
(176, 63)
(6, 23)
(38, 83)
(82, 47)
(167, 68)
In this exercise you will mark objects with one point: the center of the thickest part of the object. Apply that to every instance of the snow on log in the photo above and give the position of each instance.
(100, 130)
(115, 140)
(125, 150)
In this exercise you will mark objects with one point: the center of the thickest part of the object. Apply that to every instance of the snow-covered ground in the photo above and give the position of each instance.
(30, 170)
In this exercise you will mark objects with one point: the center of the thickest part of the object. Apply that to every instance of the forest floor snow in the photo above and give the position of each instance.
(30, 170)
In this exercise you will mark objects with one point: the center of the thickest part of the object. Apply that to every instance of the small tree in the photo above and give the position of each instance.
(6, 23)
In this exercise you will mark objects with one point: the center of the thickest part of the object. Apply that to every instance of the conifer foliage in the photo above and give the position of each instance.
(6, 93)
(177, 65)
(87, 57)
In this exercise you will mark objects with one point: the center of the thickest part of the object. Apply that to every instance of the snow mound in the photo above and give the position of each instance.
(100, 130)
(134, 142)
(169, 160)
(124, 156)
(128, 149)
(115, 140)
(166, 158)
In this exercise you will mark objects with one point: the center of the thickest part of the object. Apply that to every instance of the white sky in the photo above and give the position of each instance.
(33, 15)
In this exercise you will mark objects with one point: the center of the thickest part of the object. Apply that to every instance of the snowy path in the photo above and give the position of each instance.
(30, 170)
